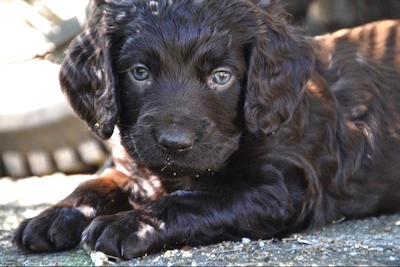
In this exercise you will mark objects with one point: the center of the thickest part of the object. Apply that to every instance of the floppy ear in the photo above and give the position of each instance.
(87, 77)
(281, 61)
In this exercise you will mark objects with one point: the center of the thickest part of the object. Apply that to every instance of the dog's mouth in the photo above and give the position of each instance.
(204, 158)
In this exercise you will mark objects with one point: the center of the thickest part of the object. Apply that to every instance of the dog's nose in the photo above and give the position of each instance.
(175, 141)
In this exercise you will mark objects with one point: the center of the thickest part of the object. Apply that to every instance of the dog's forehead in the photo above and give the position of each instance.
(179, 15)
(215, 14)
(168, 32)
(180, 26)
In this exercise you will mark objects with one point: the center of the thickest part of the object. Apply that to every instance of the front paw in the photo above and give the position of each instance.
(55, 229)
(124, 235)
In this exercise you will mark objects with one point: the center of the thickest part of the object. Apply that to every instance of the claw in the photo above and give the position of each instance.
(84, 237)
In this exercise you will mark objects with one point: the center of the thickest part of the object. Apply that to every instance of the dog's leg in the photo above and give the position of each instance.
(192, 218)
(60, 226)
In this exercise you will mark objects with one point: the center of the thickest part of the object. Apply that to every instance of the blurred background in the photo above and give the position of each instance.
(39, 134)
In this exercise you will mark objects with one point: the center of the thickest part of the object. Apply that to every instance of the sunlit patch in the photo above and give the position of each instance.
(315, 89)
(379, 41)
(120, 16)
(153, 5)
(147, 229)
(360, 58)
(87, 211)
(149, 188)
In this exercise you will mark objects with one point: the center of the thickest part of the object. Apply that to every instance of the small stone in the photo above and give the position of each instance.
(245, 240)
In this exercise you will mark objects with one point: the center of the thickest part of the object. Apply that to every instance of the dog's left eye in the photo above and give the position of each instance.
(140, 73)
(221, 77)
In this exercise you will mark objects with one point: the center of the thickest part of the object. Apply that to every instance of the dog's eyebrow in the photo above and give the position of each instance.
(137, 50)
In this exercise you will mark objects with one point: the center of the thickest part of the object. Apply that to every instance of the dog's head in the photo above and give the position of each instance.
(183, 79)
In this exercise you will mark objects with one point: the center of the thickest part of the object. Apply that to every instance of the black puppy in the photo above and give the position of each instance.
(232, 123)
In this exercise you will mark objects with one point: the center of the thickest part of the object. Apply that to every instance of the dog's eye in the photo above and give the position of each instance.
(221, 77)
(140, 73)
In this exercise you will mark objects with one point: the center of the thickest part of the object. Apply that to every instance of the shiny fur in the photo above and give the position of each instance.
(230, 123)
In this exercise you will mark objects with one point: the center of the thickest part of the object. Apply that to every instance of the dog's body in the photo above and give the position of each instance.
(232, 123)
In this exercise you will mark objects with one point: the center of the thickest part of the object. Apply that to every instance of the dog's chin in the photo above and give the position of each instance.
(173, 171)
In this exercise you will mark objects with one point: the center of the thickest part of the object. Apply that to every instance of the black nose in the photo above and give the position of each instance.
(175, 141)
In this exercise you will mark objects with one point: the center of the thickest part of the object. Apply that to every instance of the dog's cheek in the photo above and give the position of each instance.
(130, 103)
(230, 109)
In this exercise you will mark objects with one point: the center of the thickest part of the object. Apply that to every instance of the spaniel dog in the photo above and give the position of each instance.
(229, 122)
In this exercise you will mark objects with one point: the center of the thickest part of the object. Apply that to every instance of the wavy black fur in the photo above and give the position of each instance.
(232, 123)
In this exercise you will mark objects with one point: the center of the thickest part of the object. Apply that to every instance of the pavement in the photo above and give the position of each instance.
(372, 241)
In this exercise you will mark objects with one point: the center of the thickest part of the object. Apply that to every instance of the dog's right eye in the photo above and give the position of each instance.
(140, 73)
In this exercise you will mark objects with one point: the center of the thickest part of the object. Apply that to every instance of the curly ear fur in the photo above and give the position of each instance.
(281, 62)
(86, 76)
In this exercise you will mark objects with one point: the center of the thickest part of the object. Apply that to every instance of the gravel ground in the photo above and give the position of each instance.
(373, 241)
